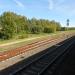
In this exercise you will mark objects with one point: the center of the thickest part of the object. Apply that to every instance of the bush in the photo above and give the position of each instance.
(4, 36)
(22, 36)
(48, 30)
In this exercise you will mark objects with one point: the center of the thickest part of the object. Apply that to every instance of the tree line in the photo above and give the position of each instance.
(12, 24)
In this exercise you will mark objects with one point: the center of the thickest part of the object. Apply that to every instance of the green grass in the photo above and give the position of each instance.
(29, 36)
(24, 42)
(13, 46)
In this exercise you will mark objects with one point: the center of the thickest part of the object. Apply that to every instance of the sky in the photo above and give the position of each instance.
(58, 10)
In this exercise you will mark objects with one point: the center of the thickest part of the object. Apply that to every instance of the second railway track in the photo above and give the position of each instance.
(45, 63)
(14, 52)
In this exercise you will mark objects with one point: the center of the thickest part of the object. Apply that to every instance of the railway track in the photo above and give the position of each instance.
(45, 63)
(11, 53)
(14, 52)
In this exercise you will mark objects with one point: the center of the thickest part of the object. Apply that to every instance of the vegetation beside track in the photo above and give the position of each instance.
(12, 44)
(13, 25)
(17, 28)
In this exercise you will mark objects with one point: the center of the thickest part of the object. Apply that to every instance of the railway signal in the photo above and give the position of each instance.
(67, 23)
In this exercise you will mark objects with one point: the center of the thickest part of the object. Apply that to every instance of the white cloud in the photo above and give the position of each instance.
(65, 8)
(55, 4)
(18, 3)
(62, 6)
(51, 4)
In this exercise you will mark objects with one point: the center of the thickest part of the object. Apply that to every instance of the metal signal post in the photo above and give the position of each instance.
(67, 23)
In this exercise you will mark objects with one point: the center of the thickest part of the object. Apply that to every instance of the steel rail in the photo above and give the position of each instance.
(61, 54)
(51, 53)
(15, 52)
